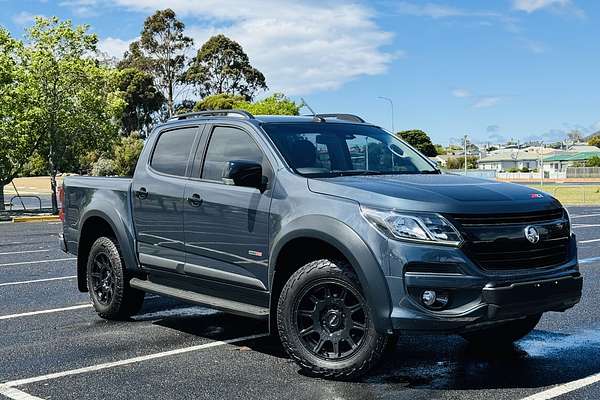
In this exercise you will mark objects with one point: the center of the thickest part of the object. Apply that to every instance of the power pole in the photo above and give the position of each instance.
(466, 136)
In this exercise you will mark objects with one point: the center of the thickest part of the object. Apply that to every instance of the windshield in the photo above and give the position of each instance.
(320, 149)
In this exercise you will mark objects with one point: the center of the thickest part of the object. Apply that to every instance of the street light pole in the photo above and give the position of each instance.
(466, 155)
(391, 106)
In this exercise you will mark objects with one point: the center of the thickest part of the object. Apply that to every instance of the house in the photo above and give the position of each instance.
(510, 159)
(560, 161)
(440, 160)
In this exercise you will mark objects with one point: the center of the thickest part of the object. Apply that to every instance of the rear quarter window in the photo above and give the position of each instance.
(172, 151)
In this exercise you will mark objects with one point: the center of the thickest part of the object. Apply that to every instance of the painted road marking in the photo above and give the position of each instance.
(589, 260)
(49, 311)
(584, 216)
(38, 280)
(16, 394)
(588, 241)
(585, 226)
(99, 367)
(38, 262)
(23, 252)
(565, 388)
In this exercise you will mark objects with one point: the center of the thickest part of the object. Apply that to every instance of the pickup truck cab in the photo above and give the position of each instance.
(334, 231)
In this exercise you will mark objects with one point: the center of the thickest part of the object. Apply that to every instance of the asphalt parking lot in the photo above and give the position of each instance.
(53, 346)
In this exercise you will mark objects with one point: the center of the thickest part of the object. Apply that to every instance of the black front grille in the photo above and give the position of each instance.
(498, 242)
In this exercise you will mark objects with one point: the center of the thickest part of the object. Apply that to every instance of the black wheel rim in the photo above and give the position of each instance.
(102, 279)
(331, 319)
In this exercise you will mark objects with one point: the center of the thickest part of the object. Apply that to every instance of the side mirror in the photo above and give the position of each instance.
(244, 173)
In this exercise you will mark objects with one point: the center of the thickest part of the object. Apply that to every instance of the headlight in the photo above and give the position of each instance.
(419, 227)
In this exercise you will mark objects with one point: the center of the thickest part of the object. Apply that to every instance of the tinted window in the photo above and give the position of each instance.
(227, 144)
(172, 151)
(324, 149)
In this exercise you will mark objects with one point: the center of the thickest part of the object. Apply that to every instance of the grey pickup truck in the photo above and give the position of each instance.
(335, 232)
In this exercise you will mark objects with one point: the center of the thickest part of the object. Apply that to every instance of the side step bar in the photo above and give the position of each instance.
(230, 306)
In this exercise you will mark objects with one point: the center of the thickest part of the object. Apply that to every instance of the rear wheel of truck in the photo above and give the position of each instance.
(325, 322)
(108, 282)
(503, 334)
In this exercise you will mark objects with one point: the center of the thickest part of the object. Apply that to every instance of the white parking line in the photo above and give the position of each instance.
(584, 216)
(16, 394)
(23, 252)
(128, 361)
(38, 280)
(588, 241)
(565, 388)
(49, 311)
(585, 225)
(38, 262)
(589, 260)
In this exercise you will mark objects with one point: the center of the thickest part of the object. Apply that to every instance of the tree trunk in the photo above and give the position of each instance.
(2, 197)
(170, 100)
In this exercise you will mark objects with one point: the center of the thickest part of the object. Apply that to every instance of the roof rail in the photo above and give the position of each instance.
(212, 113)
(345, 117)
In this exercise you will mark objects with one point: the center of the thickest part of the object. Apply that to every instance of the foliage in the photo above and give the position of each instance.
(222, 66)
(142, 98)
(593, 162)
(514, 169)
(18, 111)
(161, 52)
(594, 141)
(419, 140)
(35, 166)
(276, 104)
(185, 106)
(439, 149)
(75, 99)
(221, 101)
(491, 148)
(103, 167)
(574, 136)
(459, 162)
(126, 154)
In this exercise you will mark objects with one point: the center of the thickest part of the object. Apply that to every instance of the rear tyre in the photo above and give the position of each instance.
(504, 334)
(325, 323)
(108, 282)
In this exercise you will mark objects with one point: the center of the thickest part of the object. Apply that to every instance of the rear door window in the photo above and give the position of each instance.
(172, 151)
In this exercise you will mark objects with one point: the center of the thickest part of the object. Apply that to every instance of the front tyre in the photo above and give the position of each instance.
(325, 323)
(108, 282)
(503, 334)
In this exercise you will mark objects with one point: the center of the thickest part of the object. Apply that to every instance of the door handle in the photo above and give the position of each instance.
(141, 193)
(195, 200)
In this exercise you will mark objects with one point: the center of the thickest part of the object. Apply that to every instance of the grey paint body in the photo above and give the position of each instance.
(228, 246)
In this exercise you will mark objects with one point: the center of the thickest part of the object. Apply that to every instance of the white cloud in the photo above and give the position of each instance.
(530, 6)
(486, 101)
(81, 8)
(461, 93)
(114, 47)
(25, 18)
(301, 47)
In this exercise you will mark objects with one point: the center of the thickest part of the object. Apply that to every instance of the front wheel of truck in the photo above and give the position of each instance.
(503, 334)
(108, 282)
(325, 323)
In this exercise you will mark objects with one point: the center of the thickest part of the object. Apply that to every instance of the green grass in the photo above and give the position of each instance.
(584, 194)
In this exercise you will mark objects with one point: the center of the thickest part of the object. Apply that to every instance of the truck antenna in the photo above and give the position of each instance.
(305, 104)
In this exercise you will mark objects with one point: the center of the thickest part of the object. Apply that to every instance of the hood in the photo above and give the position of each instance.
(438, 193)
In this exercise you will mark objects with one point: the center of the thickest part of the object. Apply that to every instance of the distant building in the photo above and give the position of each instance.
(559, 162)
(509, 159)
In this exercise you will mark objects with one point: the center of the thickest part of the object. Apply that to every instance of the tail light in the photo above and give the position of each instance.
(61, 203)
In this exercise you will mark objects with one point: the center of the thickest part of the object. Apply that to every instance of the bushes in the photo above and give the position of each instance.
(123, 159)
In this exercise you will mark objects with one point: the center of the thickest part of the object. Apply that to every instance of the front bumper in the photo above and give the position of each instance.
(477, 297)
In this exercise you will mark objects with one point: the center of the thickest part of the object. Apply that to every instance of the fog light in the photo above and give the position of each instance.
(435, 300)
(429, 297)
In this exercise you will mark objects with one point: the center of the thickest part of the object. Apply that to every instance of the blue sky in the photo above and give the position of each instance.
(491, 69)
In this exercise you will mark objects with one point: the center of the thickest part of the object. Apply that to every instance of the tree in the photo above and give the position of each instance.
(221, 101)
(419, 140)
(574, 136)
(161, 52)
(459, 163)
(126, 154)
(76, 99)
(439, 149)
(276, 104)
(594, 140)
(142, 97)
(593, 162)
(18, 112)
(222, 66)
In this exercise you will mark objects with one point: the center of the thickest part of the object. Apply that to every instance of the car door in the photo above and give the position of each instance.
(226, 227)
(158, 199)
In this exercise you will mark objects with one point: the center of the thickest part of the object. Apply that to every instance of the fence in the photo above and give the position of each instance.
(583, 172)
(477, 173)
